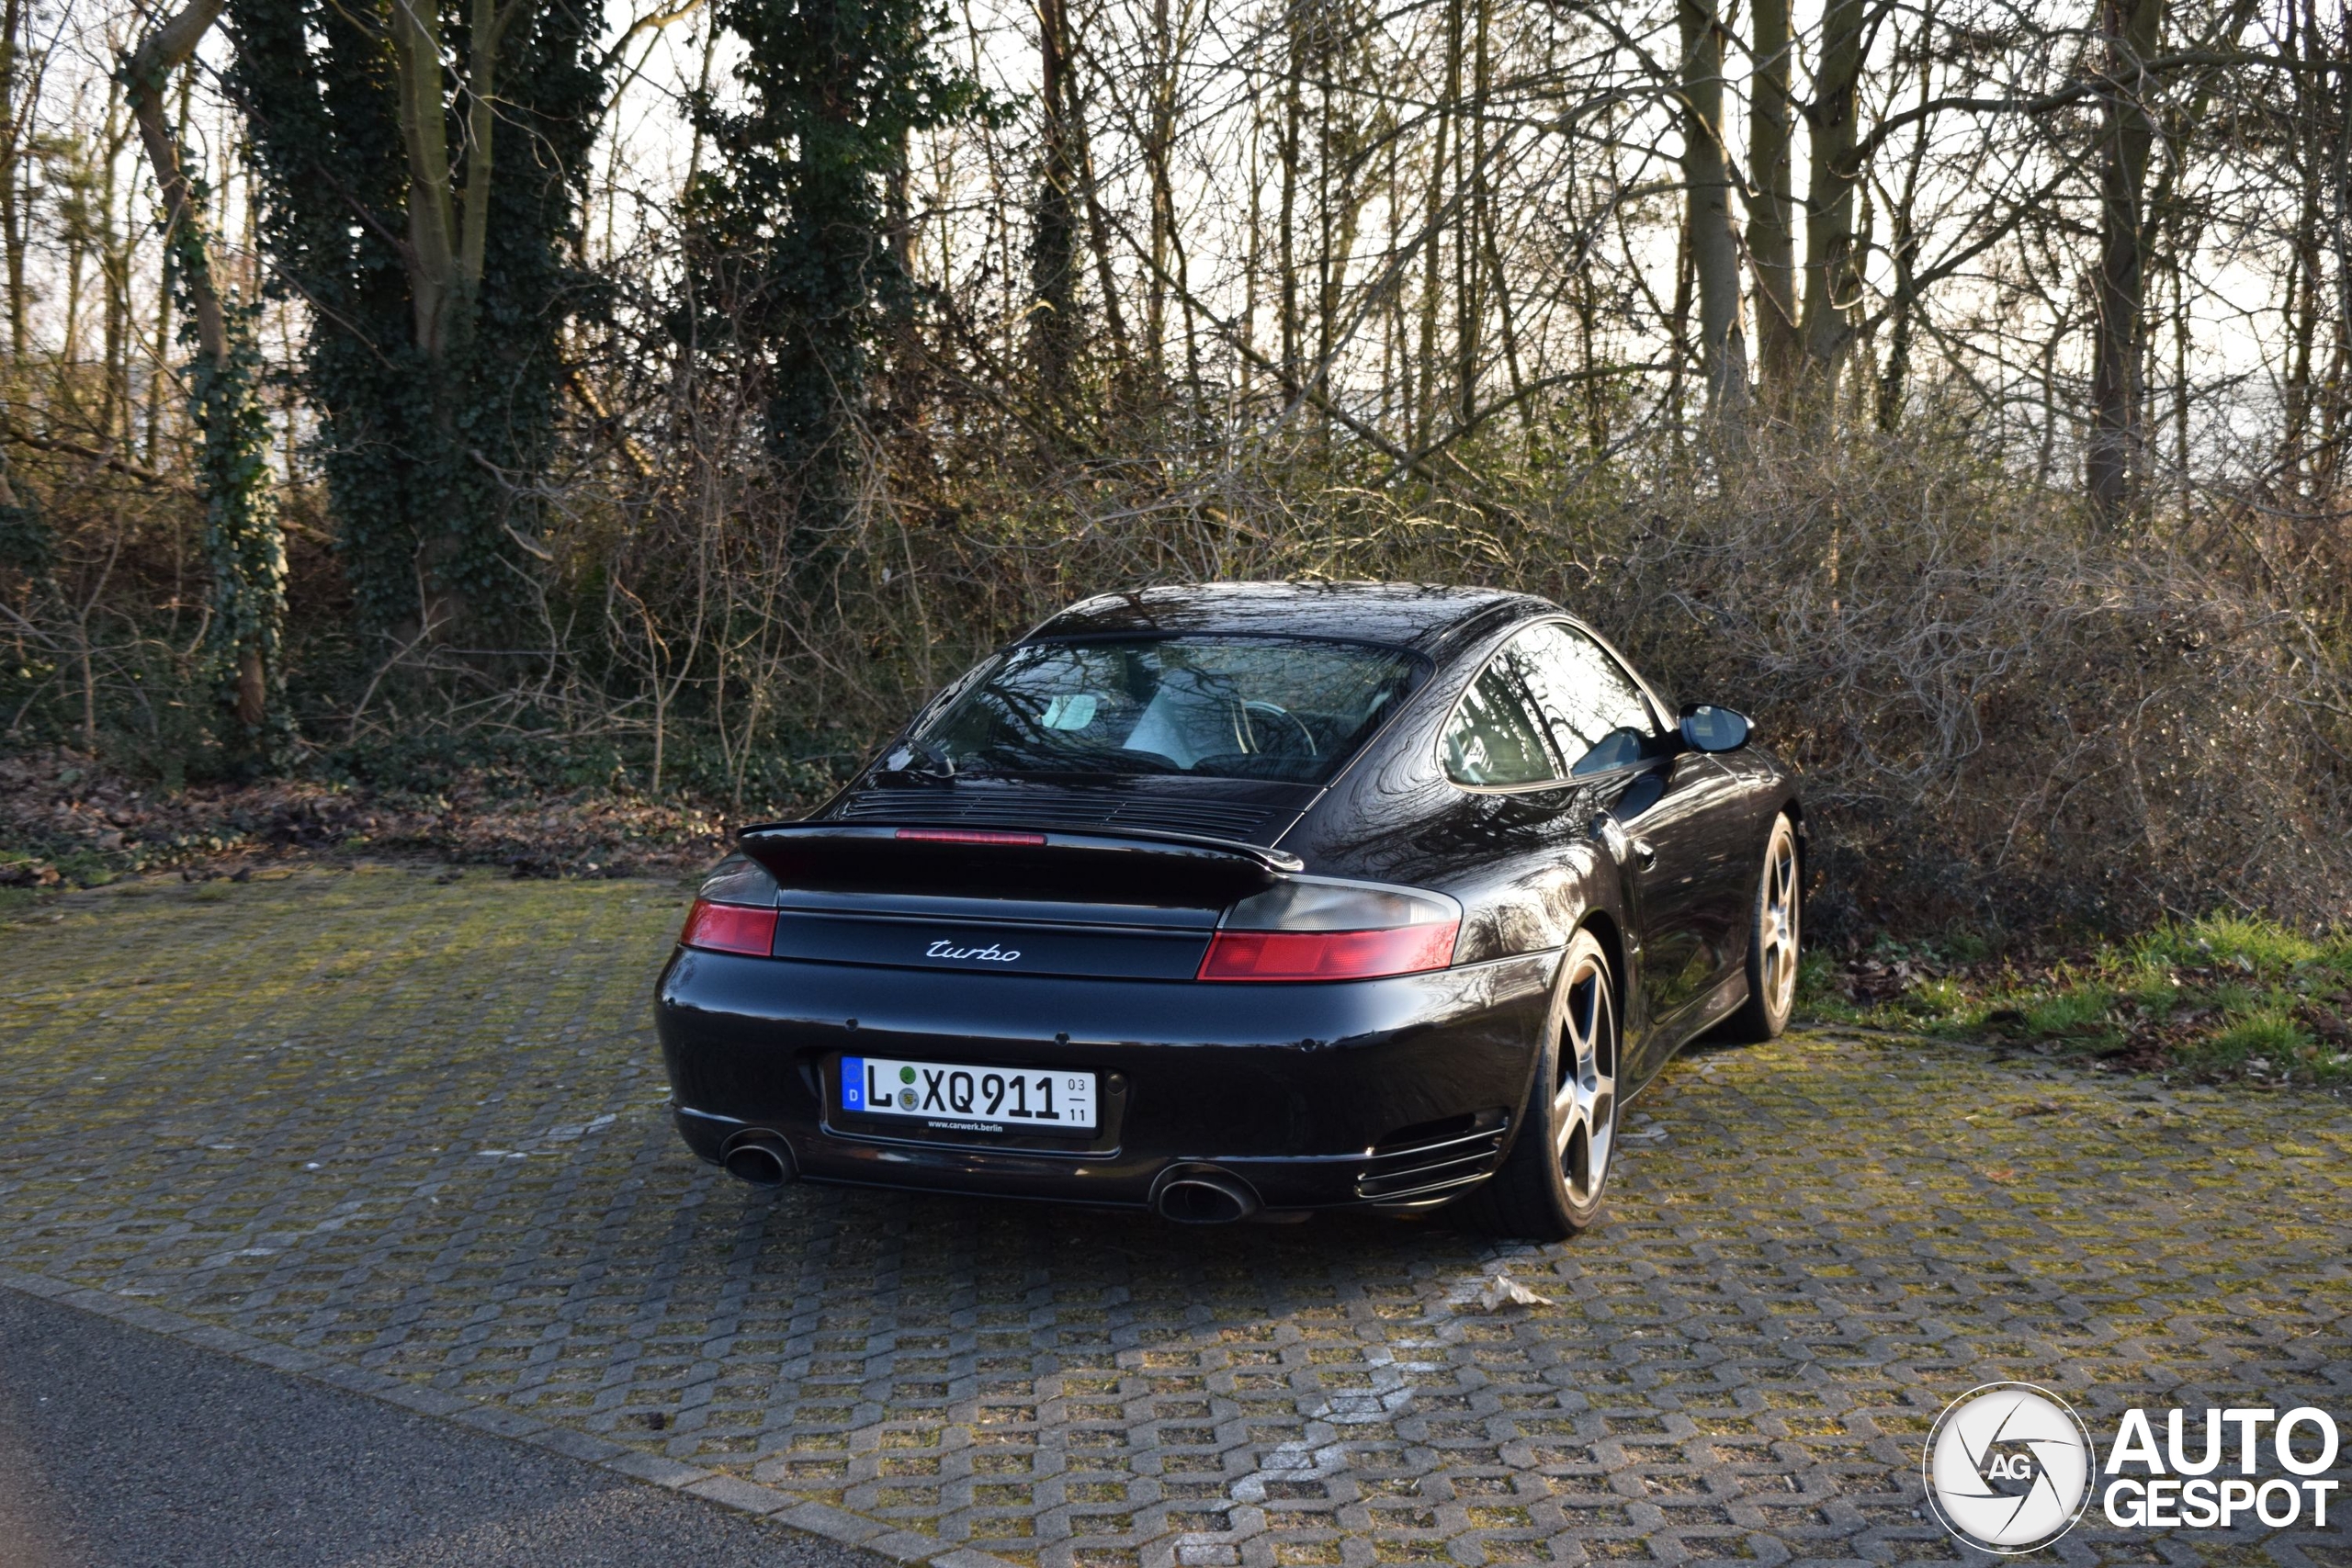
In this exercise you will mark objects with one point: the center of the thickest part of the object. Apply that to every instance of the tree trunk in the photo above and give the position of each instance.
(1286, 220)
(1470, 269)
(1771, 240)
(1893, 385)
(166, 288)
(483, 35)
(1831, 278)
(12, 217)
(1098, 221)
(2128, 33)
(115, 246)
(1425, 408)
(164, 51)
(1677, 327)
(2337, 399)
(242, 539)
(424, 138)
(1254, 249)
(1158, 140)
(1714, 241)
(448, 222)
(1053, 253)
(2306, 281)
(448, 229)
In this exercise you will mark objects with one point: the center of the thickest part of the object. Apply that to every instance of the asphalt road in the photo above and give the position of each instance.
(120, 1448)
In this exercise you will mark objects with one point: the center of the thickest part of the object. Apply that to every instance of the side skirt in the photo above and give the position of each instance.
(1698, 1017)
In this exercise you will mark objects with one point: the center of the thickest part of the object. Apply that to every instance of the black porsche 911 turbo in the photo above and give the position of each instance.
(1248, 898)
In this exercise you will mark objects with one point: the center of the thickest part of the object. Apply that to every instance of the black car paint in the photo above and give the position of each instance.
(1295, 1073)
(1530, 865)
(1298, 1089)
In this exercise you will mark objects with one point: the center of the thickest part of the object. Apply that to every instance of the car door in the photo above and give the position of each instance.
(1668, 800)
(1673, 812)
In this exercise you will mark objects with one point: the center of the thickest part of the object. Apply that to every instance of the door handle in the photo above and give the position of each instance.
(1644, 854)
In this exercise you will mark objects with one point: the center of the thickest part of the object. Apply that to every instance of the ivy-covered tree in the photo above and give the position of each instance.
(420, 166)
(791, 227)
(26, 543)
(243, 542)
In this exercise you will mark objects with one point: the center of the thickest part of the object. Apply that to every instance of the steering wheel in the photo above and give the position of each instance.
(1289, 723)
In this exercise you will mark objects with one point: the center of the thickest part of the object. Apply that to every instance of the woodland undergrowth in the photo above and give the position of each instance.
(2006, 720)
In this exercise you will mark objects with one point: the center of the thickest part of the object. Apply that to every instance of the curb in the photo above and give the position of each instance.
(729, 1492)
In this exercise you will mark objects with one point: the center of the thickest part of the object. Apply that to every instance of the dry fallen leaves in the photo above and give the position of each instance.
(1503, 1292)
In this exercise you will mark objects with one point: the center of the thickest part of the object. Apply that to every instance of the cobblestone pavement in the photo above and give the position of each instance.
(416, 1130)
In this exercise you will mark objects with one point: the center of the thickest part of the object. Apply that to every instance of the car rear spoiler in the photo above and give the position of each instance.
(1112, 863)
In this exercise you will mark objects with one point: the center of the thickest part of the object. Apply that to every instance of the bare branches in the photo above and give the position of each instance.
(107, 460)
(652, 21)
(1434, 288)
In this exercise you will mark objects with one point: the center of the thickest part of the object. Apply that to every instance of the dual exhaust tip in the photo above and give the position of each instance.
(1185, 1194)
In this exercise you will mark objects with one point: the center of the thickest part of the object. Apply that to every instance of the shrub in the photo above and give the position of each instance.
(2006, 722)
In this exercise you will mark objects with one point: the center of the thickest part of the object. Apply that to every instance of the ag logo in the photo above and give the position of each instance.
(2008, 1467)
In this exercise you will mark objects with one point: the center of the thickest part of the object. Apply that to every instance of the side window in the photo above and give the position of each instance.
(1494, 737)
(1595, 712)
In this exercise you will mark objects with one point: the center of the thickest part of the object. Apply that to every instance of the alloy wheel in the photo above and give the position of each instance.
(1584, 1104)
(1776, 938)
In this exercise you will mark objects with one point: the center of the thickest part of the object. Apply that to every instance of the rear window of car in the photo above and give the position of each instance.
(1242, 707)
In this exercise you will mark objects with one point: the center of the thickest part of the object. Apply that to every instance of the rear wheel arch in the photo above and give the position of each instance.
(1605, 930)
(1612, 937)
(1551, 1180)
(1794, 809)
(1774, 934)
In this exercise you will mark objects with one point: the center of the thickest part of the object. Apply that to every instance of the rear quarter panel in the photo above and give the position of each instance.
(1523, 864)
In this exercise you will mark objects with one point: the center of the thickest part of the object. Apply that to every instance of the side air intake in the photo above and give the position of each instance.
(1430, 1160)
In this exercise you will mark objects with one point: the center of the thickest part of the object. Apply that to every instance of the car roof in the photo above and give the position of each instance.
(1418, 615)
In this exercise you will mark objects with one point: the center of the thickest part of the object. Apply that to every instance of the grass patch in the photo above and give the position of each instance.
(2222, 998)
(2267, 1035)
(2249, 945)
(1940, 997)
(15, 901)
(2081, 1011)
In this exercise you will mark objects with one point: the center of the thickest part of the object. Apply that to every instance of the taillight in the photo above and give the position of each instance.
(1327, 955)
(730, 928)
(1306, 928)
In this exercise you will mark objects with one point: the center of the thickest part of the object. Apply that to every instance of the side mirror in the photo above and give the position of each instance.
(1710, 728)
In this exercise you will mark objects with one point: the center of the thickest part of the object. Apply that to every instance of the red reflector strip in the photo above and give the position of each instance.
(730, 928)
(1328, 956)
(968, 836)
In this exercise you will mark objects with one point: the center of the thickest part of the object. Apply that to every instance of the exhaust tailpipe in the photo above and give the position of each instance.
(1203, 1195)
(760, 1158)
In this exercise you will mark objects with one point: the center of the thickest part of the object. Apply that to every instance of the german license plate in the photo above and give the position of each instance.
(968, 1099)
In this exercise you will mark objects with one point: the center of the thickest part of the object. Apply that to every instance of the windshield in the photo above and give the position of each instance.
(1238, 707)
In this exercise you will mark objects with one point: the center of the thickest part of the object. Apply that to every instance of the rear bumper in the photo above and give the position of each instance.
(1395, 1091)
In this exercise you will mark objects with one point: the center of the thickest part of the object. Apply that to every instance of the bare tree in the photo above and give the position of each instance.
(1713, 237)
(1771, 238)
(2128, 32)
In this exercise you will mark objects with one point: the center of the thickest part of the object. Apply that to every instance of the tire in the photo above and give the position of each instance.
(1553, 1181)
(1774, 930)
